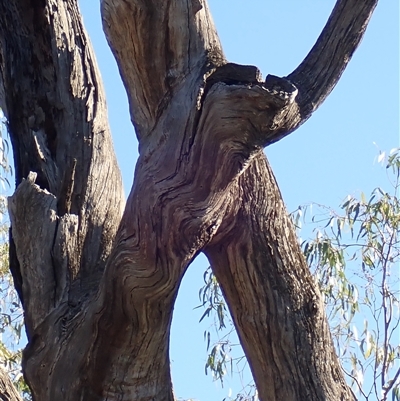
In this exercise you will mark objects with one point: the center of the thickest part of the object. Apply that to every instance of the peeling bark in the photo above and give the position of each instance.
(98, 287)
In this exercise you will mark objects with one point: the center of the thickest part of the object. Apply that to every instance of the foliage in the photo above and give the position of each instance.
(219, 355)
(11, 313)
(354, 257)
(225, 354)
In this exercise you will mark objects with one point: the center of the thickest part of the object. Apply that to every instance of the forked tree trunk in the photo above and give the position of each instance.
(98, 287)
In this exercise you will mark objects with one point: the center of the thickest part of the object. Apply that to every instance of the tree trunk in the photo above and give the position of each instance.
(273, 299)
(98, 286)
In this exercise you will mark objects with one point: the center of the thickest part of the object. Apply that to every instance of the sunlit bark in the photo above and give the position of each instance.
(98, 285)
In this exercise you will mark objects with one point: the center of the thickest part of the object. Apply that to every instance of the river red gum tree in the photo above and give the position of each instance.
(98, 278)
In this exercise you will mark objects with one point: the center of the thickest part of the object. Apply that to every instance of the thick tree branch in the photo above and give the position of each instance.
(57, 122)
(306, 88)
(320, 71)
(275, 304)
(165, 42)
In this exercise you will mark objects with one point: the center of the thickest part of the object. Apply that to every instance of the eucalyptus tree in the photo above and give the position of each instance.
(98, 277)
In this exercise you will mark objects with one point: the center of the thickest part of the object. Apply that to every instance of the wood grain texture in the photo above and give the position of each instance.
(58, 127)
(65, 216)
(166, 43)
(273, 299)
(98, 285)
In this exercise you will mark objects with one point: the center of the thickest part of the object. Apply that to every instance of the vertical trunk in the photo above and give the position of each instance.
(57, 119)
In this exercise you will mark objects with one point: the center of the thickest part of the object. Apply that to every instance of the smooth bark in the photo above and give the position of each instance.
(98, 288)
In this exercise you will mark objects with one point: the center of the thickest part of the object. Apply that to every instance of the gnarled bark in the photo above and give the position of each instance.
(273, 299)
(98, 288)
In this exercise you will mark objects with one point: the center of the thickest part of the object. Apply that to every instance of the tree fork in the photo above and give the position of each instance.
(99, 295)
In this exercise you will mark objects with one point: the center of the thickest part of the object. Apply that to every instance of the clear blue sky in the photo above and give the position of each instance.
(332, 155)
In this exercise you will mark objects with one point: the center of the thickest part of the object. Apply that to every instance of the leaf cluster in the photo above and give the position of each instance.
(11, 312)
(355, 258)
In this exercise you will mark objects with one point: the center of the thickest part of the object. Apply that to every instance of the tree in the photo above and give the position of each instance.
(98, 278)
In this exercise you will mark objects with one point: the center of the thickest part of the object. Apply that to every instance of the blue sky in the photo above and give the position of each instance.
(330, 156)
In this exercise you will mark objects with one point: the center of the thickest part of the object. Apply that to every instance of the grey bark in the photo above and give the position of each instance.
(98, 288)
(274, 302)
